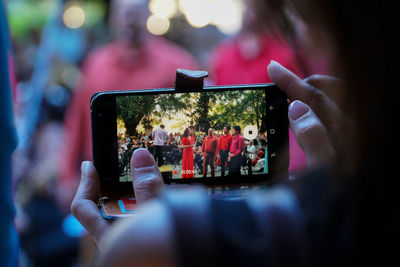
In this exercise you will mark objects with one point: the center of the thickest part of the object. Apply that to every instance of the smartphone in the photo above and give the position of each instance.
(219, 135)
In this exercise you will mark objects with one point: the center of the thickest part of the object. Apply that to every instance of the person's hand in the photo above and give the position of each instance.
(146, 179)
(316, 121)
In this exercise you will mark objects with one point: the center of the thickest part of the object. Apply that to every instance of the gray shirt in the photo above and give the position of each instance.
(159, 136)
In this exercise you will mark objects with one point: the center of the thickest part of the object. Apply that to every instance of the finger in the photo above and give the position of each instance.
(310, 133)
(89, 187)
(294, 87)
(146, 176)
(331, 86)
(84, 206)
(297, 89)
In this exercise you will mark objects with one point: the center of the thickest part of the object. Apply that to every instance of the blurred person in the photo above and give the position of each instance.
(251, 149)
(187, 158)
(198, 159)
(258, 162)
(171, 139)
(244, 60)
(159, 136)
(235, 157)
(249, 154)
(208, 150)
(224, 145)
(8, 235)
(193, 137)
(134, 60)
(341, 212)
(40, 220)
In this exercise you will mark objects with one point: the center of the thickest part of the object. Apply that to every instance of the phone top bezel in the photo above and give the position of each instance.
(103, 135)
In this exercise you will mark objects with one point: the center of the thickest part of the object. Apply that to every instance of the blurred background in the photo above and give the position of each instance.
(64, 51)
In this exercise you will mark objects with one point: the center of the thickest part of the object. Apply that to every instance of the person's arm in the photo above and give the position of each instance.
(184, 143)
(72, 139)
(203, 146)
(76, 145)
(230, 143)
(219, 144)
(238, 149)
(216, 144)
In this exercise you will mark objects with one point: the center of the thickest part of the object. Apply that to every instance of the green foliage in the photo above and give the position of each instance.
(132, 109)
(202, 110)
(238, 108)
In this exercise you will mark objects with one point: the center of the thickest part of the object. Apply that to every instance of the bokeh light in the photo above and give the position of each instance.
(197, 12)
(157, 25)
(74, 17)
(226, 15)
(163, 8)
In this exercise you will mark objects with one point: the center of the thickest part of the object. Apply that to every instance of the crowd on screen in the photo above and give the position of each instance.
(198, 152)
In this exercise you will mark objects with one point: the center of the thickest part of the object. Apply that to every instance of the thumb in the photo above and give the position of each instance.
(146, 176)
(310, 133)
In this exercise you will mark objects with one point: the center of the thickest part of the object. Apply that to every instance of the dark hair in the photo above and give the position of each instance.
(362, 38)
(263, 142)
(228, 127)
(186, 133)
(162, 126)
(237, 128)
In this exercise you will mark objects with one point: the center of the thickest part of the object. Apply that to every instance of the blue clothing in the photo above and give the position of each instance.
(8, 236)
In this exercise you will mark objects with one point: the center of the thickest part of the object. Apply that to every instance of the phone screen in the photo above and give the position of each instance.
(196, 134)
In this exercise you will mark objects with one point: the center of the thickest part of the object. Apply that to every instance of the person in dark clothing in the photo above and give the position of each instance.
(198, 159)
(341, 212)
(235, 158)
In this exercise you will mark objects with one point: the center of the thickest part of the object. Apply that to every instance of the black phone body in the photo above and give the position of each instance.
(122, 121)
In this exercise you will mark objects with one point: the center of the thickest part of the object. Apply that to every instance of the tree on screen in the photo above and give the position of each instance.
(132, 110)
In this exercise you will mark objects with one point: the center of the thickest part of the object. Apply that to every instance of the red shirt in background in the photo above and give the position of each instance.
(231, 66)
(108, 68)
(224, 142)
(210, 144)
(237, 146)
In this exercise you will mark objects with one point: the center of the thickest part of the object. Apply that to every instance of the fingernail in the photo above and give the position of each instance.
(142, 158)
(274, 69)
(84, 165)
(272, 63)
(297, 109)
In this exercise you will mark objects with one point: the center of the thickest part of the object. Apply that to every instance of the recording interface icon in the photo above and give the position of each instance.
(250, 132)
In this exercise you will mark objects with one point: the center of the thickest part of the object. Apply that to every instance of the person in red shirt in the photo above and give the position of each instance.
(244, 60)
(134, 60)
(235, 158)
(224, 145)
(209, 149)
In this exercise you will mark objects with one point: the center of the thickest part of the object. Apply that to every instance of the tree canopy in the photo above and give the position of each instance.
(202, 110)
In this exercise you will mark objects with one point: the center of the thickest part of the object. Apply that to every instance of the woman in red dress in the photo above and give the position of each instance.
(187, 158)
